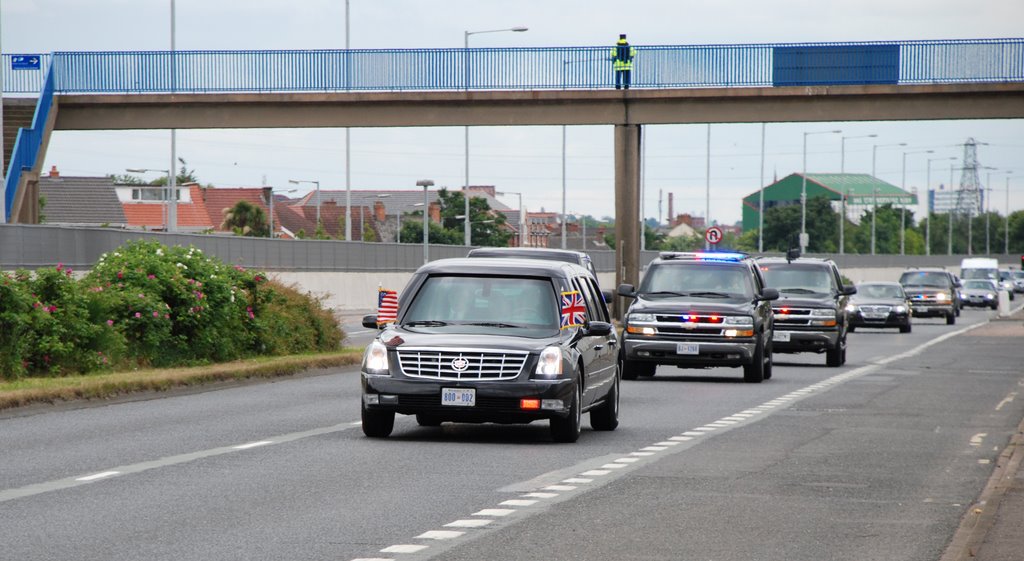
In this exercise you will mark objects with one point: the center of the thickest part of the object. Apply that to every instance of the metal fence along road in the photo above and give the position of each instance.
(668, 66)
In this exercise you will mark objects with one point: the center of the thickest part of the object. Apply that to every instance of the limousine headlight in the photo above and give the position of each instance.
(375, 359)
(550, 362)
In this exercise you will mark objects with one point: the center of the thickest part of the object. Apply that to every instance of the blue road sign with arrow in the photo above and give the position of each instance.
(25, 62)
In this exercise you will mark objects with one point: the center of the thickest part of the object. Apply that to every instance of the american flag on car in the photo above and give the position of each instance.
(387, 306)
(574, 312)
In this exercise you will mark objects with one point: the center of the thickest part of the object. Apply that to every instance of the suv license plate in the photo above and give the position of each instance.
(687, 348)
(461, 397)
(781, 336)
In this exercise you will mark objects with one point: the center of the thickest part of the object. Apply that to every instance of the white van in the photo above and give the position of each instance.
(984, 268)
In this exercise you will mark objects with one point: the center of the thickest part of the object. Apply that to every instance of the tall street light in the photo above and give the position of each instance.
(903, 207)
(270, 204)
(1006, 227)
(803, 191)
(172, 206)
(426, 183)
(988, 204)
(348, 142)
(165, 197)
(842, 149)
(317, 183)
(466, 35)
(522, 216)
(928, 205)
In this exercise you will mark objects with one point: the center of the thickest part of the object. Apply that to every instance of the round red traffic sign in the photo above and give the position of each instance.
(713, 235)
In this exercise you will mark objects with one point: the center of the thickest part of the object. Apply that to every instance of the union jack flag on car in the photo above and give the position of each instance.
(574, 311)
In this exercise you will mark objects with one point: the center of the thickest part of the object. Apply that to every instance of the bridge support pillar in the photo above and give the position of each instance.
(627, 209)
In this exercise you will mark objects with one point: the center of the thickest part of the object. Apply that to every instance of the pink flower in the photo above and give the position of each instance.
(156, 314)
(37, 304)
(60, 266)
(120, 274)
(166, 316)
(110, 322)
(138, 315)
(51, 309)
(142, 295)
(151, 277)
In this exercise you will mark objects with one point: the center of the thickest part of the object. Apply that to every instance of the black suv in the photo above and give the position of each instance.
(932, 292)
(697, 310)
(494, 340)
(810, 314)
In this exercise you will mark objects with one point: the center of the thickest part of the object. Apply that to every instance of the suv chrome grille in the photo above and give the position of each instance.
(462, 364)
(793, 316)
(875, 309)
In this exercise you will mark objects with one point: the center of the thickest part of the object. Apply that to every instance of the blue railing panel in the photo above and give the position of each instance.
(27, 144)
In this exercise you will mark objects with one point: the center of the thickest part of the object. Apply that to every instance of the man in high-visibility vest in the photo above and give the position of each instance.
(622, 61)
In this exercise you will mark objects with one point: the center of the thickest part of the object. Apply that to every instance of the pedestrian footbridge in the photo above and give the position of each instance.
(795, 82)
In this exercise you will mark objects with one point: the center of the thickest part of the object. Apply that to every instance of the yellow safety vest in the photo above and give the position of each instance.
(622, 56)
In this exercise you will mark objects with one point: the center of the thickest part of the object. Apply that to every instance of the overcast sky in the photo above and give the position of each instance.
(526, 159)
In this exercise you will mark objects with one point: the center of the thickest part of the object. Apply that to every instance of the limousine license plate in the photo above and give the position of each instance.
(687, 348)
(460, 397)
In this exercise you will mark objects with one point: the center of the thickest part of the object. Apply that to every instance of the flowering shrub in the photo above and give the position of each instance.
(149, 305)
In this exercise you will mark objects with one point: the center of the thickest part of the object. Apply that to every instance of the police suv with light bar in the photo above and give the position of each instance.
(699, 310)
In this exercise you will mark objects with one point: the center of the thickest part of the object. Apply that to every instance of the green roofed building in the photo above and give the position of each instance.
(859, 189)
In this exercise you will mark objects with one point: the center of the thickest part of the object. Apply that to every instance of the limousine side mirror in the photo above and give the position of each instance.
(598, 329)
(627, 290)
(370, 321)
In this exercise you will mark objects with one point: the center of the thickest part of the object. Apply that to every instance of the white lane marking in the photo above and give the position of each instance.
(984, 461)
(693, 433)
(977, 439)
(706, 428)
(373, 559)
(539, 495)
(653, 448)
(59, 484)
(469, 523)
(441, 535)
(560, 488)
(641, 453)
(626, 460)
(668, 442)
(577, 480)
(252, 445)
(596, 472)
(405, 548)
(518, 502)
(613, 465)
(680, 438)
(494, 512)
(96, 476)
(1006, 400)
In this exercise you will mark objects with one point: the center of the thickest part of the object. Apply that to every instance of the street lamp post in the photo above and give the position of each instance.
(803, 191)
(466, 35)
(874, 213)
(1006, 227)
(903, 207)
(270, 204)
(522, 216)
(426, 183)
(317, 183)
(928, 205)
(988, 204)
(166, 190)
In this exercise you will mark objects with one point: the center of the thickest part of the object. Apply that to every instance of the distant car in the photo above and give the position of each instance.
(981, 293)
(1007, 283)
(933, 292)
(1018, 281)
(879, 304)
(494, 340)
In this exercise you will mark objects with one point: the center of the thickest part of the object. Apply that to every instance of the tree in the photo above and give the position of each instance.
(184, 176)
(486, 226)
(246, 219)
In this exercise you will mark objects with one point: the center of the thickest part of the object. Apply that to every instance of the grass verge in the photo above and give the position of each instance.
(27, 391)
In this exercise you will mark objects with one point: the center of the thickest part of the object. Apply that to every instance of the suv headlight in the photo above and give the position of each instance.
(942, 297)
(375, 359)
(549, 364)
(852, 308)
(823, 313)
(823, 317)
(739, 320)
(641, 318)
(900, 309)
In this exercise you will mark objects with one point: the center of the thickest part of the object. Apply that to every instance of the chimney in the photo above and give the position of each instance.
(53, 172)
(378, 211)
(435, 212)
(671, 216)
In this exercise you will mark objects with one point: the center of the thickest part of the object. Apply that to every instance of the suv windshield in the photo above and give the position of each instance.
(701, 280)
(929, 279)
(798, 279)
(479, 304)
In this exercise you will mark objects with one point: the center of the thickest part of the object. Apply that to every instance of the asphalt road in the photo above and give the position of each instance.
(878, 459)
